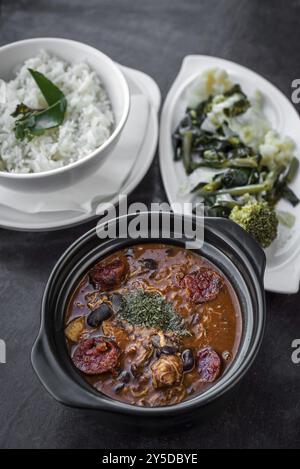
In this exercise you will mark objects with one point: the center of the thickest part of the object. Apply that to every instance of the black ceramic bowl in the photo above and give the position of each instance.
(226, 245)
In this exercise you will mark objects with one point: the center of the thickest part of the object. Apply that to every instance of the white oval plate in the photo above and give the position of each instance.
(283, 266)
(47, 221)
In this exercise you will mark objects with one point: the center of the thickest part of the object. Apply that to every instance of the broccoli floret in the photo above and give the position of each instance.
(258, 219)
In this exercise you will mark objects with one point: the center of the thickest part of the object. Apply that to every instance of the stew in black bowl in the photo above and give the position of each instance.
(152, 325)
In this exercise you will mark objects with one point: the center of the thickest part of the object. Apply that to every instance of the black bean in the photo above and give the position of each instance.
(188, 360)
(155, 341)
(124, 376)
(150, 264)
(169, 350)
(117, 302)
(96, 317)
(119, 387)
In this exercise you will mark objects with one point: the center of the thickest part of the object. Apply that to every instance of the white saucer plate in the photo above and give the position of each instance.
(283, 257)
(18, 220)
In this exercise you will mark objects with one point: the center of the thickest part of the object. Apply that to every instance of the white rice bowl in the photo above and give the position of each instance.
(88, 123)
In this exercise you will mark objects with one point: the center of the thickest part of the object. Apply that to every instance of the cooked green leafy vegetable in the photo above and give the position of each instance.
(246, 181)
(33, 122)
(238, 107)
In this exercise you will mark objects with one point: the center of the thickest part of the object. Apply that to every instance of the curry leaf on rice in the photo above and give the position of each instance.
(33, 122)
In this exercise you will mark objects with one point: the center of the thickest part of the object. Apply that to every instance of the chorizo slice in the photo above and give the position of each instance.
(96, 355)
(203, 285)
(109, 276)
(209, 365)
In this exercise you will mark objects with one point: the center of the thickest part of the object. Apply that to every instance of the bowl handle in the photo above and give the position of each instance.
(57, 382)
(245, 242)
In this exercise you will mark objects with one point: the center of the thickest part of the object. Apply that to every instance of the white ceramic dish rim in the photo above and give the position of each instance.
(149, 87)
(113, 136)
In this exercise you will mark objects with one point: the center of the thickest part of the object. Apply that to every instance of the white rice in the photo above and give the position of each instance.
(88, 123)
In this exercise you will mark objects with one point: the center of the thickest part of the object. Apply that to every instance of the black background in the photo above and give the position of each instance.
(153, 36)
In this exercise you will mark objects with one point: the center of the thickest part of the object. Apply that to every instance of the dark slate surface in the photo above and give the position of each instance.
(153, 36)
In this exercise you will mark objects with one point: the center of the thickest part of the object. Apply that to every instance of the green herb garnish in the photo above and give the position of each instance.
(151, 310)
(33, 122)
